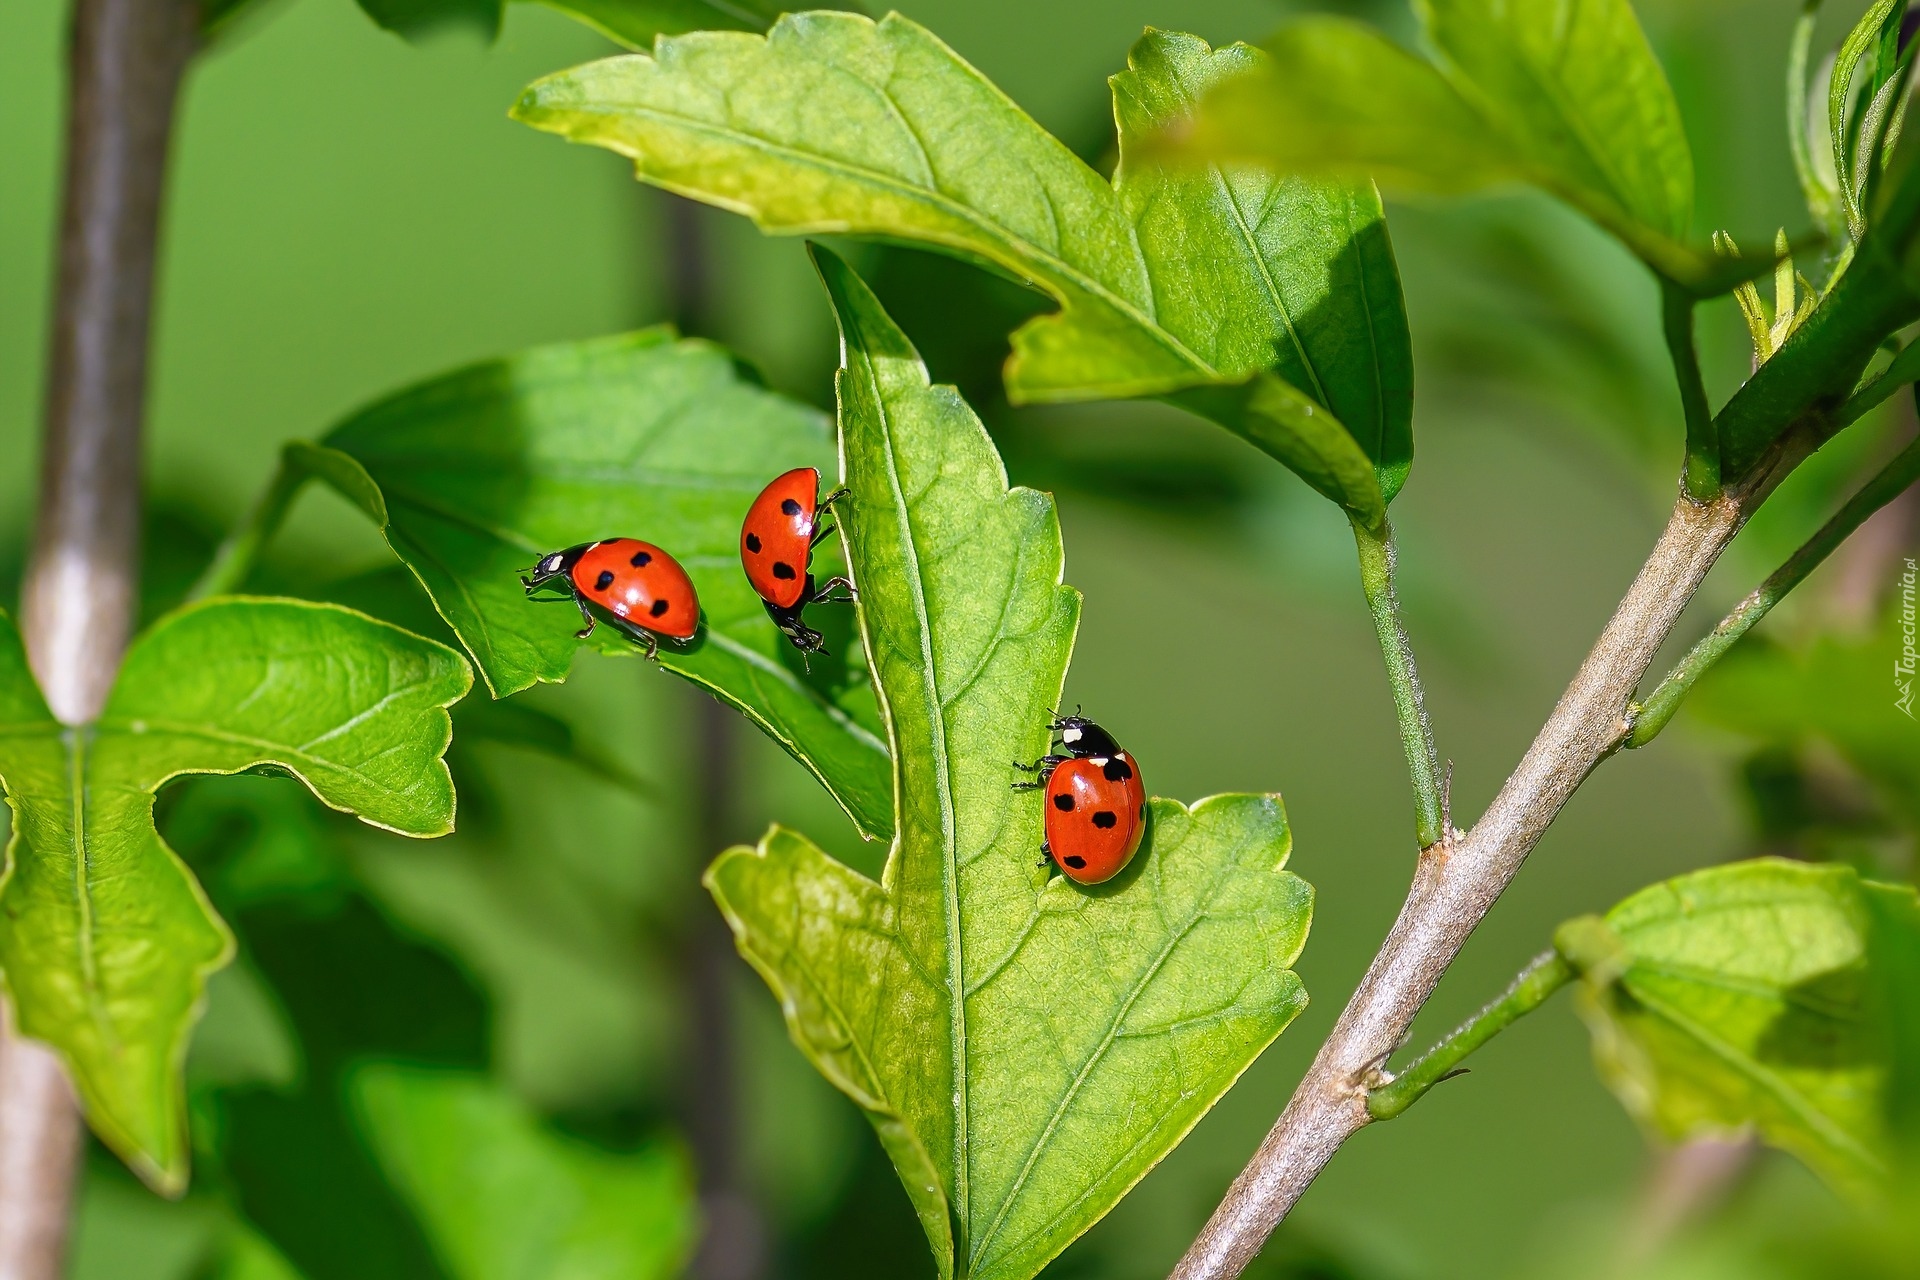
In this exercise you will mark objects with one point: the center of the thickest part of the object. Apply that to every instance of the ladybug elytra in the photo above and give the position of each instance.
(1096, 804)
(643, 589)
(776, 549)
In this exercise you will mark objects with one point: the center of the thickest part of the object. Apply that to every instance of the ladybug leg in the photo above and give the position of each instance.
(587, 630)
(640, 636)
(820, 533)
(1044, 766)
(834, 497)
(824, 595)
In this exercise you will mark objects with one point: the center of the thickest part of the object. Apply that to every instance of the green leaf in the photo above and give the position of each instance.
(501, 1197)
(515, 724)
(1837, 692)
(244, 1254)
(105, 938)
(1843, 122)
(1565, 95)
(475, 474)
(833, 123)
(413, 19)
(635, 23)
(1754, 995)
(1027, 1049)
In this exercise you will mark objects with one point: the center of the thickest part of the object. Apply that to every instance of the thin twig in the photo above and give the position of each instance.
(1651, 716)
(234, 559)
(1537, 982)
(1377, 565)
(1456, 884)
(127, 58)
(1702, 475)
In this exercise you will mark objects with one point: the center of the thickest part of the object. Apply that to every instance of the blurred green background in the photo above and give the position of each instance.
(349, 213)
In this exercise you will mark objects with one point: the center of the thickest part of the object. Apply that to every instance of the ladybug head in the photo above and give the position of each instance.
(552, 565)
(1082, 737)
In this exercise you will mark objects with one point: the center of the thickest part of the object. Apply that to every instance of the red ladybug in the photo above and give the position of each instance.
(645, 590)
(1096, 807)
(776, 549)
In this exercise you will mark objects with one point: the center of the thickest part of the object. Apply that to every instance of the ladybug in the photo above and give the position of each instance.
(1096, 805)
(643, 588)
(776, 549)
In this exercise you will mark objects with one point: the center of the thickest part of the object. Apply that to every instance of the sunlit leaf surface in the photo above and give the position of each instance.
(1770, 995)
(1166, 281)
(1027, 1049)
(105, 938)
(476, 474)
(1565, 94)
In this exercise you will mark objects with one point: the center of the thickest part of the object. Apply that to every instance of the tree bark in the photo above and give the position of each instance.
(1455, 885)
(127, 59)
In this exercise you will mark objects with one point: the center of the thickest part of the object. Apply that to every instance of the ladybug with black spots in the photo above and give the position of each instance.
(776, 549)
(1096, 804)
(645, 592)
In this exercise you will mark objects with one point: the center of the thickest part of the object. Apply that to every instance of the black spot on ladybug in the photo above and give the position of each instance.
(789, 506)
(604, 581)
(659, 607)
(641, 560)
(1117, 770)
(783, 571)
(753, 543)
(1106, 819)
(1064, 803)
(1075, 861)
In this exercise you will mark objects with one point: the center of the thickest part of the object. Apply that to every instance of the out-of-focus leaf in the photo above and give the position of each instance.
(415, 18)
(1166, 281)
(105, 938)
(1564, 95)
(501, 1198)
(635, 23)
(244, 1254)
(358, 990)
(1841, 690)
(1026, 1049)
(516, 724)
(1756, 995)
(474, 475)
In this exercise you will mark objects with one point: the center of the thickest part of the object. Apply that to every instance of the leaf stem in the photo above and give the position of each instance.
(1652, 715)
(1702, 474)
(1377, 557)
(1546, 974)
(1904, 369)
(234, 559)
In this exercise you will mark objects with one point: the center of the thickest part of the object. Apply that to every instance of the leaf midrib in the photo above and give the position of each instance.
(949, 852)
(275, 752)
(83, 885)
(991, 231)
(1796, 1103)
